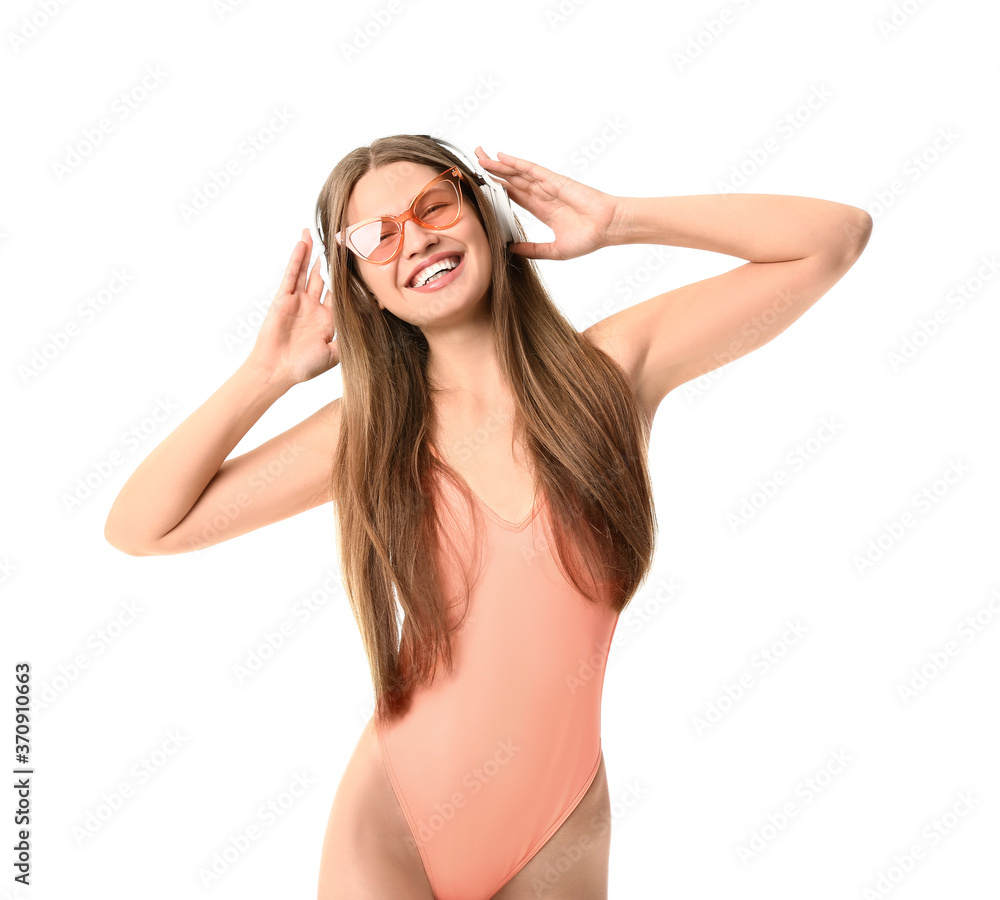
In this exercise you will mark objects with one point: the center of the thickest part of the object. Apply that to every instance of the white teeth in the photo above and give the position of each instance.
(442, 265)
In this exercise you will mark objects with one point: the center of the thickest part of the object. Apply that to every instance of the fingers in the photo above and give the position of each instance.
(300, 281)
(292, 270)
(501, 169)
(524, 182)
(532, 250)
(517, 192)
(514, 169)
(315, 283)
(514, 191)
(495, 166)
(503, 182)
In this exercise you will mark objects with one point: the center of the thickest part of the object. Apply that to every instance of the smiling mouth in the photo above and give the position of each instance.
(439, 275)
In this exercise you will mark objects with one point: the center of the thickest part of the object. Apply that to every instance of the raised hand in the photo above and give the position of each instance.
(296, 340)
(582, 218)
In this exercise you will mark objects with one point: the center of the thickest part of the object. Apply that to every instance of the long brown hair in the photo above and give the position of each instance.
(575, 410)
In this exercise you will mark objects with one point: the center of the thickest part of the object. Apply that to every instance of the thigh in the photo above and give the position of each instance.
(573, 863)
(368, 851)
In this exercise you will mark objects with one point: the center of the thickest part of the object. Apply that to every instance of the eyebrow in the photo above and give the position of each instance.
(387, 215)
(390, 215)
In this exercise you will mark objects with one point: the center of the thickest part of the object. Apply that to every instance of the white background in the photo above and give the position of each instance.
(634, 99)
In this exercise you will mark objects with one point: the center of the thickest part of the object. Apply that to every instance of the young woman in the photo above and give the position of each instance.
(488, 467)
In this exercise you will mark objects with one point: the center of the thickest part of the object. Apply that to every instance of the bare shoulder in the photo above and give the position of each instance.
(617, 343)
(330, 414)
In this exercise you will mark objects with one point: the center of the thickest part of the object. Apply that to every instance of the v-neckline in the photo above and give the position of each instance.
(492, 513)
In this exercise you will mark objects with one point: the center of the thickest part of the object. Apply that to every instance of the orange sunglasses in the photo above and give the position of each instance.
(379, 239)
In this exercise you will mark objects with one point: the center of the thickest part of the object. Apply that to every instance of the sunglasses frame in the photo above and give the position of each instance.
(407, 214)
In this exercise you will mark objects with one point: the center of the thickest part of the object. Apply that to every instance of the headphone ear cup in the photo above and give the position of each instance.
(501, 206)
(324, 270)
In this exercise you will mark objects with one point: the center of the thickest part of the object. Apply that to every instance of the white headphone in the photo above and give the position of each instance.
(491, 189)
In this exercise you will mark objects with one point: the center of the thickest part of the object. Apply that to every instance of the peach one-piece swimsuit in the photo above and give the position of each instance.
(489, 761)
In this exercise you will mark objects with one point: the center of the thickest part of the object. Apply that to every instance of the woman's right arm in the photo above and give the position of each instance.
(186, 494)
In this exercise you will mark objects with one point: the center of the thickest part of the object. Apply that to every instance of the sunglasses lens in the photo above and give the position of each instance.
(437, 207)
(376, 241)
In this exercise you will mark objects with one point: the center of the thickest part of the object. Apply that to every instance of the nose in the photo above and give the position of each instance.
(415, 237)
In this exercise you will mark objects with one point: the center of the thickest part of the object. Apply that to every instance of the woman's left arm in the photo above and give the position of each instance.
(797, 248)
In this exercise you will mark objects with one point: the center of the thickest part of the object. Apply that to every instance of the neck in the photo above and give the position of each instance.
(462, 367)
